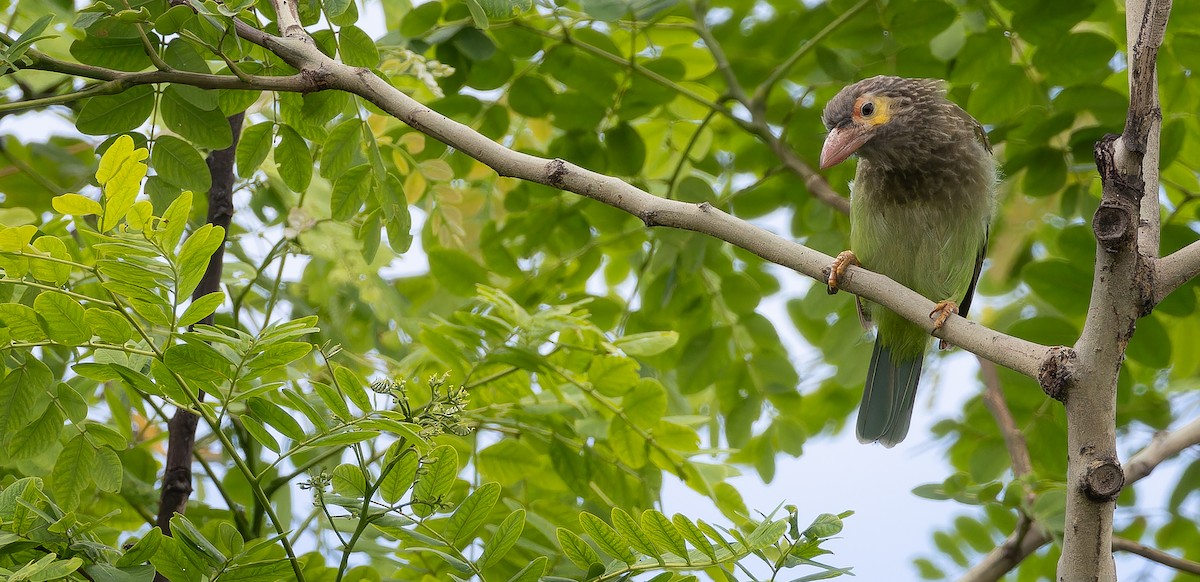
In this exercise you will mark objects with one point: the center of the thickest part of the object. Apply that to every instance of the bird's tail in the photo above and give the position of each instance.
(888, 397)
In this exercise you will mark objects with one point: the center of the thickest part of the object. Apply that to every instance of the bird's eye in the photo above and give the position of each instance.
(867, 109)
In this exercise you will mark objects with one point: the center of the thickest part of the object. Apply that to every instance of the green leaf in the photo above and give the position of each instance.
(206, 128)
(439, 469)
(72, 472)
(64, 319)
(53, 272)
(119, 49)
(606, 537)
(693, 534)
(22, 322)
(340, 439)
(824, 526)
(356, 48)
(613, 375)
(339, 150)
(532, 572)
(353, 387)
(278, 355)
(176, 564)
(335, 7)
(349, 192)
(194, 257)
(201, 308)
(110, 114)
(531, 96)
(174, 221)
(177, 162)
(274, 416)
(506, 536)
(32, 439)
(632, 533)
(186, 532)
(198, 362)
(108, 470)
(349, 480)
(399, 221)
(142, 550)
(650, 343)
(402, 473)
(260, 433)
(645, 405)
(253, 147)
(471, 513)
(626, 150)
(294, 160)
(509, 461)
(108, 324)
(456, 271)
(662, 532)
(576, 549)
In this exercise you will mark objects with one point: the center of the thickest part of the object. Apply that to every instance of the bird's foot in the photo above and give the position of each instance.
(843, 261)
(941, 312)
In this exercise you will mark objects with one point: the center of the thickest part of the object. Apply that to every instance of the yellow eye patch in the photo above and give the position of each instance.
(873, 110)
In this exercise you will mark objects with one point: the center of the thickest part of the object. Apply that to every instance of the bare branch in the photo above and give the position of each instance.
(1155, 555)
(1175, 269)
(993, 398)
(1164, 446)
(734, 89)
(1006, 556)
(764, 90)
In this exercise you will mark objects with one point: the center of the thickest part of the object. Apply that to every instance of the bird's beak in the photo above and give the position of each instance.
(841, 143)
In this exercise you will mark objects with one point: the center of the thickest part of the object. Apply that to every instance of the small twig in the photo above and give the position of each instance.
(734, 87)
(764, 90)
(1164, 446)
(1155, 555)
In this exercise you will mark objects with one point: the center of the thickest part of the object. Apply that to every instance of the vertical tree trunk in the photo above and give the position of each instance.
(177, 475)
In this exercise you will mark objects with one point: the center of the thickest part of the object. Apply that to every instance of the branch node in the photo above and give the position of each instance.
(1055, 372)
(704, 207)
(556, 170)
(1113, 226)
(1104, 479)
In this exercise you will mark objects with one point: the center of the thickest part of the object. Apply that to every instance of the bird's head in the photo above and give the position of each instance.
(881, 118)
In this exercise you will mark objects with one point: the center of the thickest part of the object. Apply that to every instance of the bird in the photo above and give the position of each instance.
(921, 205)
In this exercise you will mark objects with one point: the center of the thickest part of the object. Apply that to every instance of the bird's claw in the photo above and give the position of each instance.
(941, 312)
(843, 261)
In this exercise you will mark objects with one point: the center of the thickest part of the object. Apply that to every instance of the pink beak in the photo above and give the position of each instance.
(841, 143)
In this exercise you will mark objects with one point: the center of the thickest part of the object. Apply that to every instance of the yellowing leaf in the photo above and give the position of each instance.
(139, 214)
(414, 187)
(413, 142)
(436, 170)
(76, 205)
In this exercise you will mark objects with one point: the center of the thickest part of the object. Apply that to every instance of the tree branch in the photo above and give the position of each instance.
(1164, 446)
(1121, 293)
(814, 182)
(1155, 555)
(1175, 269)
(177, 472)
(993, 398)
(1016, 548)
(1023, 356)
